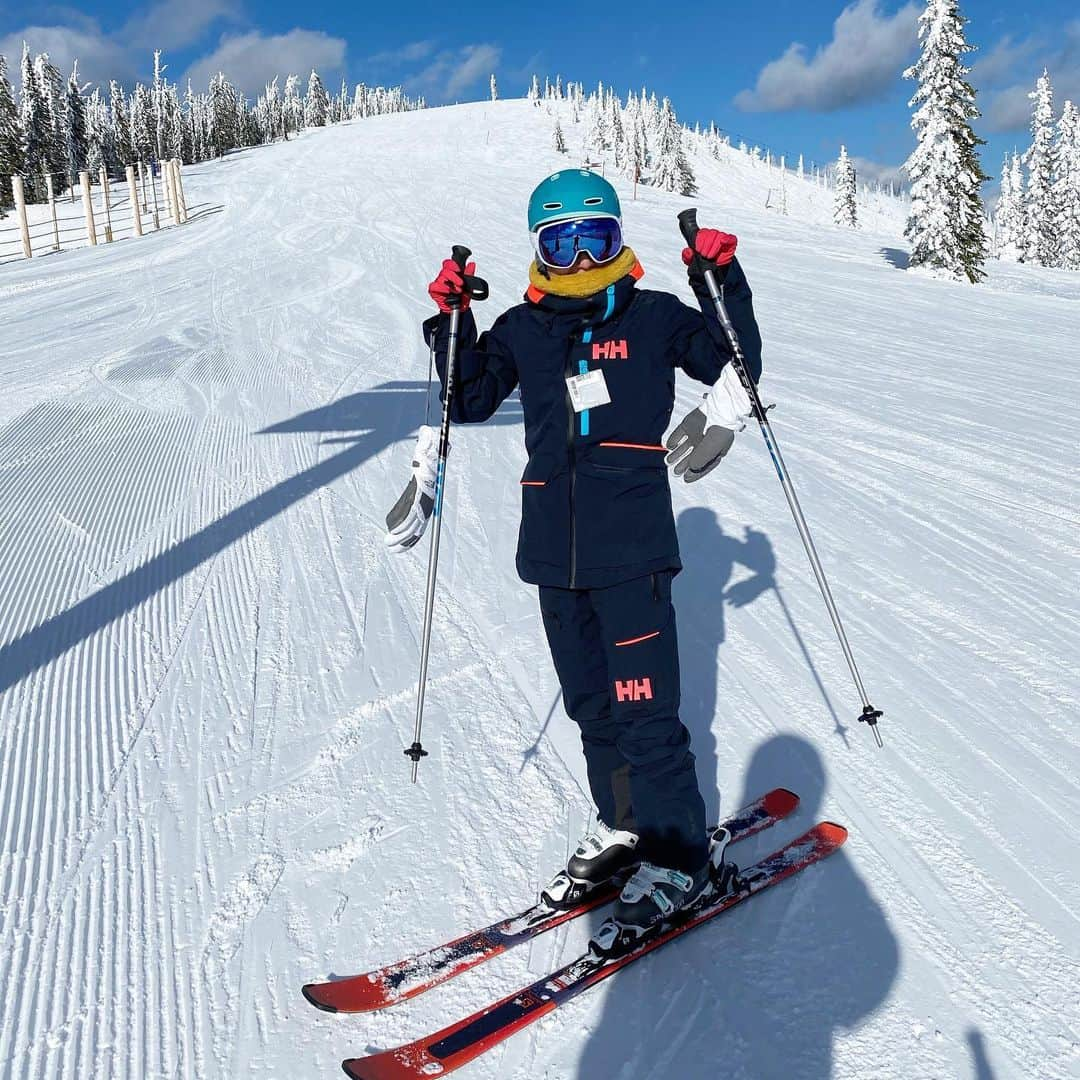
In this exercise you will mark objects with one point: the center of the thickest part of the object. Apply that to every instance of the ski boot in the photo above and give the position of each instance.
(601, 855)
(656, 896)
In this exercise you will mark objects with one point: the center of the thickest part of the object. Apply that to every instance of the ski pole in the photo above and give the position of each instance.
(689, 226)
(476, 289)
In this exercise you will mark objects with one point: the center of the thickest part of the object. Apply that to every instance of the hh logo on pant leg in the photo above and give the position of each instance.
(633, 690)
(611, 350)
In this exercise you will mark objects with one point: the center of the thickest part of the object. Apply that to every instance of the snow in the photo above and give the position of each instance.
(208, 660)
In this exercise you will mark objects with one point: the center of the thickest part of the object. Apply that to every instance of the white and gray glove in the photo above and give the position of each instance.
(705, 435)
(405, 524)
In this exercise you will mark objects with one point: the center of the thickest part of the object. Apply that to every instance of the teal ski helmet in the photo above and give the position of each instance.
(572, 193)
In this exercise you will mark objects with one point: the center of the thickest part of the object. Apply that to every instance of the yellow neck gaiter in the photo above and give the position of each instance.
(584, 282)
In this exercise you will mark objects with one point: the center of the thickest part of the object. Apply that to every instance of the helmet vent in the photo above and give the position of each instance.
(553, 206)
(594, 200)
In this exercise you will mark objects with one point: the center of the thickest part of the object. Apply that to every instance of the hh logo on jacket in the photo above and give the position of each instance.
(611, 350)
(633, 690)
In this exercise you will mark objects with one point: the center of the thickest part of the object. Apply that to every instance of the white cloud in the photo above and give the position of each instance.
(251, 60)
(100, 57)
(450, 73)
(1009, 109)
(868, 171)
(405, 54)
(124, 55)
(866, 55)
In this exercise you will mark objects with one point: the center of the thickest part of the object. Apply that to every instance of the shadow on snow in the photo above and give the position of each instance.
(366, 423)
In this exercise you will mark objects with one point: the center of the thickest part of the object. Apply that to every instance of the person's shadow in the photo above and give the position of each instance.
(758, 993)
(365, 423)
(702, 594)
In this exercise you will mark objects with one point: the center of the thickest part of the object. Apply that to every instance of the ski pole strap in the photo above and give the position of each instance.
(476, 288)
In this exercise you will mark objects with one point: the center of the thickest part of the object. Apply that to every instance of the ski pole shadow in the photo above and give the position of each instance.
(702, 595)
(366, 422)
(762, 990)
(977, 1043)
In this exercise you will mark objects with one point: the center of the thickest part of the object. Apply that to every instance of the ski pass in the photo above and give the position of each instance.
(588, 391)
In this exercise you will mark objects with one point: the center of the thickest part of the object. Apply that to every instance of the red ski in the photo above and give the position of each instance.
(408, 978)
(449, 1049)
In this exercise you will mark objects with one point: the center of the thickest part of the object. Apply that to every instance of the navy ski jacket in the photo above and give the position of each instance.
(596, 505)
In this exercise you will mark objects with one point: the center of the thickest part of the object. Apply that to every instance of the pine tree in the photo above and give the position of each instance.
(317, 102)
(1067, 188)
(672, 172)
(142, 143)
(222, 133)
(557, 140)
(75, 144)
(96, 136)
(293, 109)
(1040, 242)
(1010, 211)
(494, 88)
(534, 91)
(34, 121)
(121, 124)
(51, 84)
(11, 140)
(845, 208)
(946, 227)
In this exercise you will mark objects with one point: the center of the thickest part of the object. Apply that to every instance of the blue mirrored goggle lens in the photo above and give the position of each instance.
(561, 243)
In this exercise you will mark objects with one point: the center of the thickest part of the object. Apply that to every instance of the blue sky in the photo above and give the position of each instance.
(793, 75)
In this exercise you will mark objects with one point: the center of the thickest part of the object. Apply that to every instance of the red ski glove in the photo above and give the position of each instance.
(713, 246)
(451, 282)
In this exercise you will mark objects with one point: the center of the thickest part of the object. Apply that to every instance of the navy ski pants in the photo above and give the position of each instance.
(616, 653)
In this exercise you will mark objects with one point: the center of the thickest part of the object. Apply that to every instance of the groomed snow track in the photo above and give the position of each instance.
(207, 661)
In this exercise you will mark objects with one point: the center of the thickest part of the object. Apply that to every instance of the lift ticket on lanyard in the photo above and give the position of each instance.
(588, 391)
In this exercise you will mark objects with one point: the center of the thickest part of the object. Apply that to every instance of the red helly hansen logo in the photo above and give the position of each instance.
(611, 350)
(633, 690)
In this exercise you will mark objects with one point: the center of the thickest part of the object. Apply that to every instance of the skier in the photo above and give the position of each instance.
(594, 359)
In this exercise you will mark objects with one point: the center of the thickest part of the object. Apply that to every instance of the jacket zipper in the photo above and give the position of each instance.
(571, 420)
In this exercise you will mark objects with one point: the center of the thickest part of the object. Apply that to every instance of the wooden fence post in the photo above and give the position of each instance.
(88, 208)
(153, 185)
(180, 191)
(52, 207)
(172, 202)
(20, 211)
(133, 192)
(104, 177)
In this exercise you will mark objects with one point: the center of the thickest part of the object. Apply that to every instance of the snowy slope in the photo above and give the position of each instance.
(207, 662)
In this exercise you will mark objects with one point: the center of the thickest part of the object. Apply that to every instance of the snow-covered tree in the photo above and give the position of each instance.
(1067, 188)
(1040, 243)
(946, 227)
(223, 129)
(845, 207)
(36, 130)
(534, 91)
(75, 127)
(672, 171)
(317, 102)
(293, 109)
(142, 141)
(11, 141)
(51, 84)
(494, 88)
(1010, 211)
(557, 140)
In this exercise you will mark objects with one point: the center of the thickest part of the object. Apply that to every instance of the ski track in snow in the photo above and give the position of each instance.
(207, 660)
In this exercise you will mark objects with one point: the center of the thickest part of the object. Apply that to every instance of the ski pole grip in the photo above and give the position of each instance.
(475, 288)
(689, 226)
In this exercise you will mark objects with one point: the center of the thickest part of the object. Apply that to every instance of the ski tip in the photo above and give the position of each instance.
(829, 830)
(780, 802)
(308, 990)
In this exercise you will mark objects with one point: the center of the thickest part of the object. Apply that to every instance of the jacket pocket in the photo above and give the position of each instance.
(622, 455)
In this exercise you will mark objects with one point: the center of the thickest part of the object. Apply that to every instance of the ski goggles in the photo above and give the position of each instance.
(561, 243)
